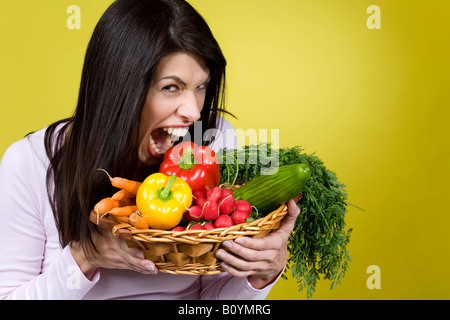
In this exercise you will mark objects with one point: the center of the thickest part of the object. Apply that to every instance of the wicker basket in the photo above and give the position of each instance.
(189, 252)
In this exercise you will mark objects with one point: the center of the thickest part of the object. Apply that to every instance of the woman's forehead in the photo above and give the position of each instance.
(182, 67)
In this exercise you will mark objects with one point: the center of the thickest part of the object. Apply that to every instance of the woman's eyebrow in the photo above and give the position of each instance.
(177, 79)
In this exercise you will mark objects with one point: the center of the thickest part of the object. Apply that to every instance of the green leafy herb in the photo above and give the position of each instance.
(318, 245)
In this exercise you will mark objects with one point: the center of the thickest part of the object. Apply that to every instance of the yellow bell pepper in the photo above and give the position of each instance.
(162, 200)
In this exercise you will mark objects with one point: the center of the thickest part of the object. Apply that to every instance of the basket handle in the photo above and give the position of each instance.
(110, 225)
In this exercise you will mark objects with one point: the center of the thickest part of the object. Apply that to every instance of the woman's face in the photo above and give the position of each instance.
(174, 102)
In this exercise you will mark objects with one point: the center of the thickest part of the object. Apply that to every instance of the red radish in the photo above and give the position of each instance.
(197, 226)
(199, 197)
(200, 201)
(240, 216)
(223, 221)
(226, 192)
(208, 226)
(195, 212)
(243, 205)
(215, 194)
(199, 194)
(226, 204)
(210, 210)
(179, 228)
(187, 216)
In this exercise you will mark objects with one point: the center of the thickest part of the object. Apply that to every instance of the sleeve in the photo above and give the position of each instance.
(226, 287)
(23, 237)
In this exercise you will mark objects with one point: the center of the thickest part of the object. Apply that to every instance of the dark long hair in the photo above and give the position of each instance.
(125, 49)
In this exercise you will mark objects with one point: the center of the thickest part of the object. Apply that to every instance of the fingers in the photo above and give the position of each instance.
(276, 239)
(288, 223)
(117, 255)
(248, 256)
(134, 259)
(238, 266)
(141, 266)
(137, 252)
(293, 209)
(253, 249)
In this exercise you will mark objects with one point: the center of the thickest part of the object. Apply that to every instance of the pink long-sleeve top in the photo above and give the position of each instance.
(33, 265)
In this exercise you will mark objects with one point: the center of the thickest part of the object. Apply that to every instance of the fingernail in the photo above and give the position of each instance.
(220, 254)
(227, 244)
(150, 268)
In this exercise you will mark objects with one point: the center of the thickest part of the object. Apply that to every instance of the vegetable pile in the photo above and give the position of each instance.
(216, 208)
(196, 189)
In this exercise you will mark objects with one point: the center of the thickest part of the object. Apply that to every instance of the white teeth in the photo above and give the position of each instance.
(173, 134)
(156, 149)
(179, 132)
(168, 130)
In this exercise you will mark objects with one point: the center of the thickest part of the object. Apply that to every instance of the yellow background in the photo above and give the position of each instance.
(373, 104)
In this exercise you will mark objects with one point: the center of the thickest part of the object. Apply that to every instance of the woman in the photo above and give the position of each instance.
(150, 65)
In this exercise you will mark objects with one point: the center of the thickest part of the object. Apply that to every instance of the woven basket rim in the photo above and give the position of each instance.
(217, 235)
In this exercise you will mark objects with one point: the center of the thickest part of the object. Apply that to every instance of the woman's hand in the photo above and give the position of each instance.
(112, 253)
(261, 260)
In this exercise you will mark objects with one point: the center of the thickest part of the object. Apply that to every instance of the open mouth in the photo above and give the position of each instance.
(162, 139)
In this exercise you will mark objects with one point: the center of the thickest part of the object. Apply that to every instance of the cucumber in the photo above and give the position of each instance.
(267, 192)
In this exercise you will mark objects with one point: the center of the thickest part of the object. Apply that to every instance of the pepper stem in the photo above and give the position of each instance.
(164, 194)
(187, 159)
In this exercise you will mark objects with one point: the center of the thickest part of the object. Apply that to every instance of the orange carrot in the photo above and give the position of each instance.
(122, 183)
(138, 221)
(107, 204)
(122, 194)
(123, 211)
(125, 184)
(122, 219)
(104, 205)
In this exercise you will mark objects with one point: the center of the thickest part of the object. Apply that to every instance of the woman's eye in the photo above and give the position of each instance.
(202, 86)
(170, 88)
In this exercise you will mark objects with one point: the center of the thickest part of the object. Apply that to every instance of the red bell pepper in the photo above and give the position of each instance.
(197, 165)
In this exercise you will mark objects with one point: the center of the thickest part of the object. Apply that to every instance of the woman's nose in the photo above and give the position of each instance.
(190, 106)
